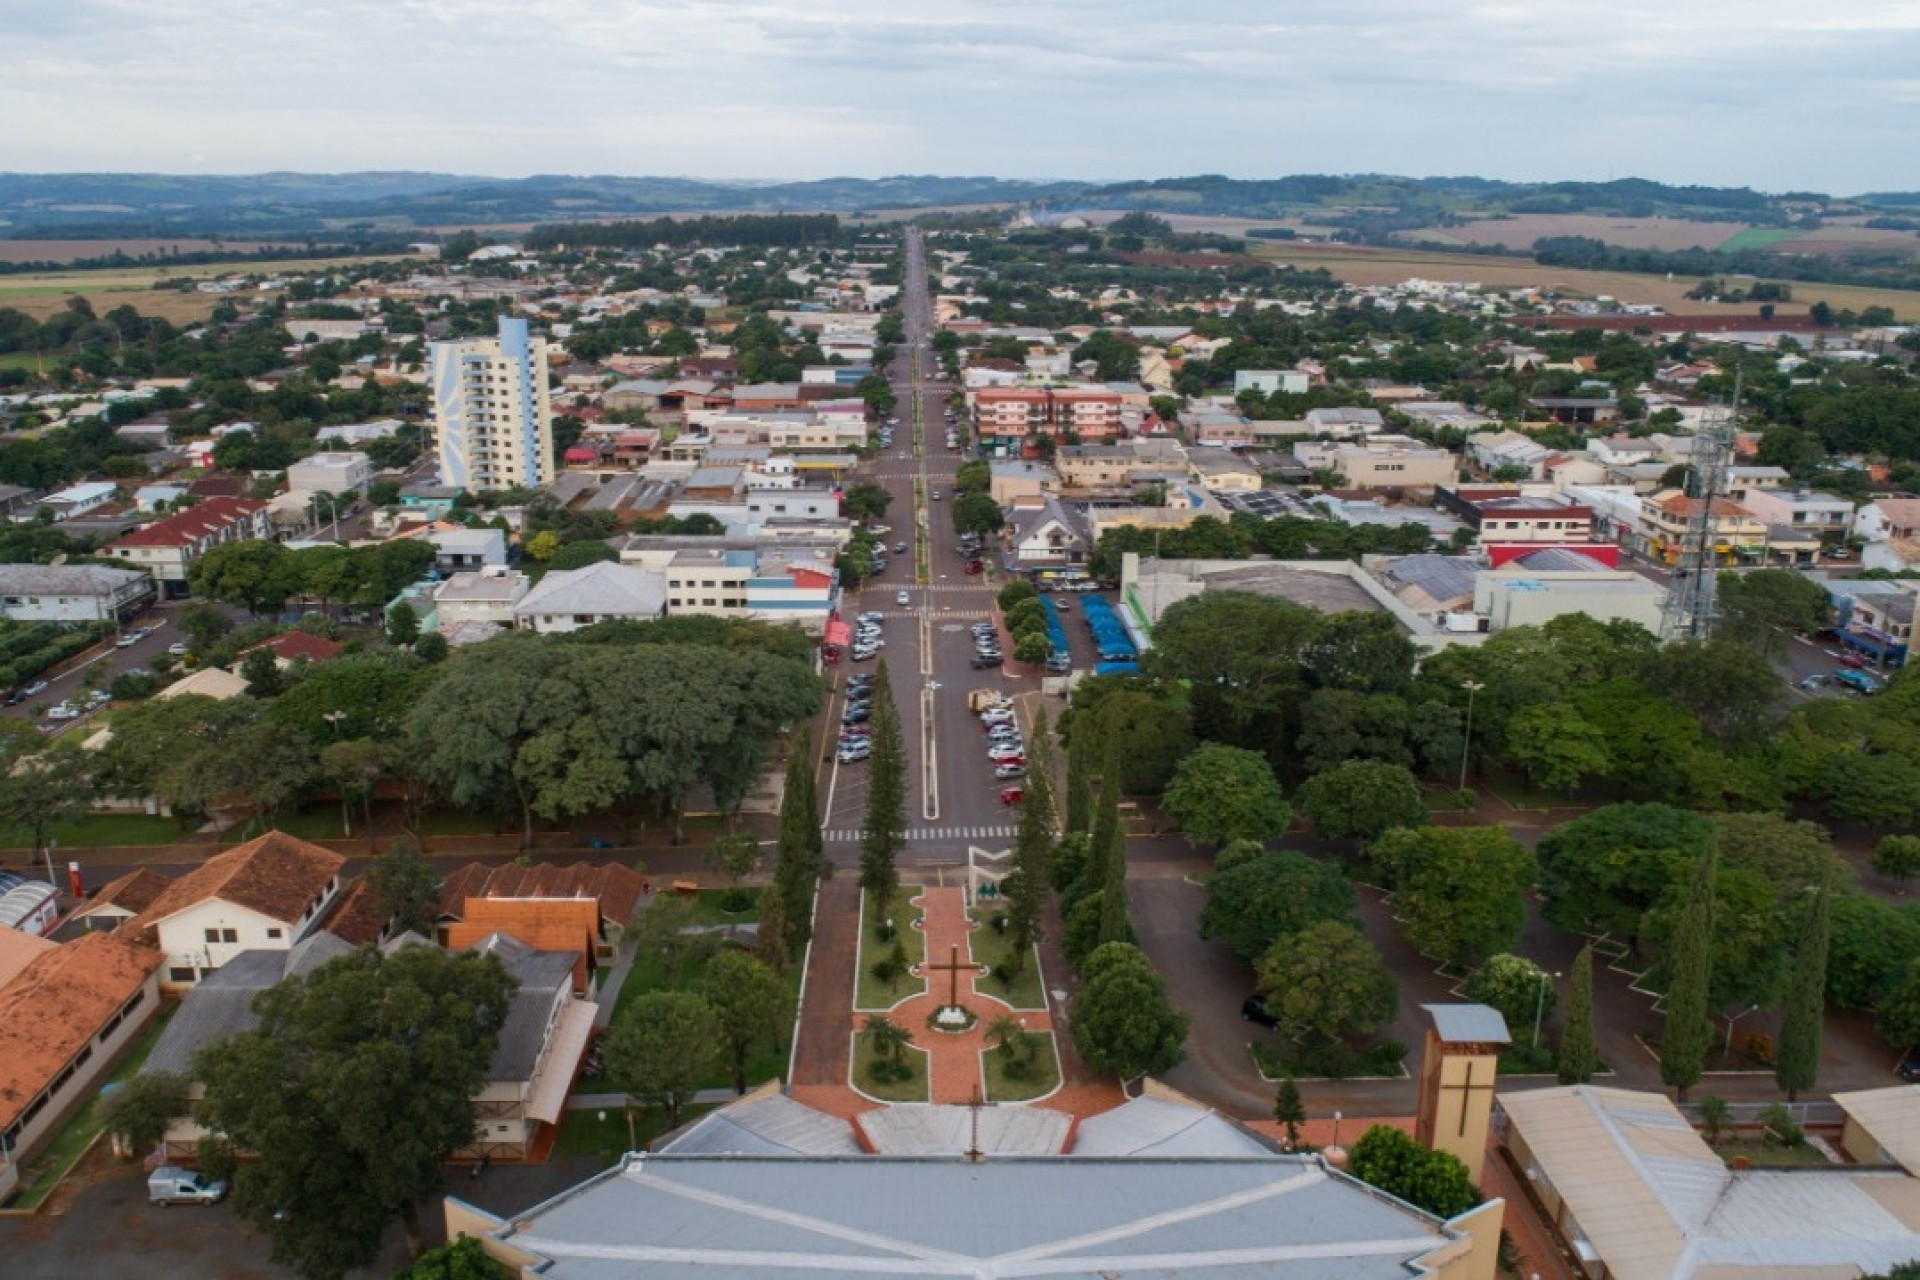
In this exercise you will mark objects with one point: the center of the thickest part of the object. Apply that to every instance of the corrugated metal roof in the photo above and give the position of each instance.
(1160, 1127)
(1469, 1023)
(1441, 577)
(769, 1126)
(928, 1129)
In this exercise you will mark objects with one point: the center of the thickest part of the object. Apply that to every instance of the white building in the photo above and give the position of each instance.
(340, 473)
(1291, 382)
(569, 599)
(488, 596)
(492, 416)
(461, 550)
(264, 895)
(72, 593)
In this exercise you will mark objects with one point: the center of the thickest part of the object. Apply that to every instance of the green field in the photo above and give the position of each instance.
(1043, 1079)
(912, 1089)
(1756, 238)
(870, 993)
(99, 829)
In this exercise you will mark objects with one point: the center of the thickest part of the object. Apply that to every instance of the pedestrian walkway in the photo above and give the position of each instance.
(614, 1101)
(851, 835)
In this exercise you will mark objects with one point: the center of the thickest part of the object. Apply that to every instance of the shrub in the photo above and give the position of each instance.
(1778, 1128)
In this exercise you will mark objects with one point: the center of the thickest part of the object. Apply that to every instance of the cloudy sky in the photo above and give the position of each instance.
(1776, 94)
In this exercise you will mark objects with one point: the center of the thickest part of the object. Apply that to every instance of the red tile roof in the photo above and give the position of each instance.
(191, 525)
(615, 887)
(291, 646)
(57, 1005)
(356, 916)
(545, 924)
(275, 875)
(132, 893)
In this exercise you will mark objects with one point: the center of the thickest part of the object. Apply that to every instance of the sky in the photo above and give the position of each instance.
(1774, 94)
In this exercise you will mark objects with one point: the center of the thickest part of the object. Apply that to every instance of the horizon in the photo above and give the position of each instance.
(1763, 94)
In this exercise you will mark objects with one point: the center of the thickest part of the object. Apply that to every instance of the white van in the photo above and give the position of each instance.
(170, 1184)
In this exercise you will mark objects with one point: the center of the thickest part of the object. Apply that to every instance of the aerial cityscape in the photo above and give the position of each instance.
(649, 641)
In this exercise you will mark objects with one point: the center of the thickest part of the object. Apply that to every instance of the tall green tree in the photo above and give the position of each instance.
(885, 831)
(750, 1008)
(407, 888)
(1327, 980)
(139, 1111)
(1079, 816)
(663, 1049)
(39, 791)
(1123, 1023)
(1288, 1110)
(1025, 886)
(351, 1094)
(1461, 891)
(1688, 1032)
(1256, 897)
(1221, 793)
(1579, 1055)
(1797, 1064)
(800, 861)
(1116, 921)
(1361, 800)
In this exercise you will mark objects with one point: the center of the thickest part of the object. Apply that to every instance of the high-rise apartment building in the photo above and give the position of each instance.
(492, 417)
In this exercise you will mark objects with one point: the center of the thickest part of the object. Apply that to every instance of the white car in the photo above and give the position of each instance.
(63, 711)
(902, 598)
(178, 648)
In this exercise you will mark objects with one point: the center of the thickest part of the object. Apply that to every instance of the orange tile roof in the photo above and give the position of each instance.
(275, 875)
(615, 887)
(545, 924)
(292, 645)
(18, 949)
(132, 893)
(356, 916)
(184, 528)
(59, 1003)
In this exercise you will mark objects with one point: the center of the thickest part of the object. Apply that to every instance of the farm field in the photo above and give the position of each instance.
(1366, 266)
(41, 293)
(1520, 231)
(68, 250)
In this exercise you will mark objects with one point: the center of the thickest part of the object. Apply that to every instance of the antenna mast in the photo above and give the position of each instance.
(1691, 606)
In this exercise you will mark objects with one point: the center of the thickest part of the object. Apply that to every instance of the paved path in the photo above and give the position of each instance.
(614, 1101)
(821, 1050)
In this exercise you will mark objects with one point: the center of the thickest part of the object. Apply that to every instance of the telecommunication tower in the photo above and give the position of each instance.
(1691, 606)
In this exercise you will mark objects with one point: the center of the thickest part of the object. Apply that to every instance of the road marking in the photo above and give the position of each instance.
(851, 835)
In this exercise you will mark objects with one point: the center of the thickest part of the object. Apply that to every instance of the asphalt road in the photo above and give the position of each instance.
(97, 667)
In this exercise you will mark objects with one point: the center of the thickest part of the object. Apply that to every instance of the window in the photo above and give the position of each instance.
(273, 933)
(213, 935)
(178, 974)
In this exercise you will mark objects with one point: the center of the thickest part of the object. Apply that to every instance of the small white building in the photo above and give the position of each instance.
(79, 499)
(467, 550)
(72, 593)
(486, 596)
(1291, 382)
(345, 472)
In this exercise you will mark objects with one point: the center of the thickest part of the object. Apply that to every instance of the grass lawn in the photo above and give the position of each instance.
(47, 1168)
(1770, 1155)
(1445, 800)
(870, 993)
(585, 1134)
(1041, 1079)
(117, 828)
(993, 949)
(1755, 238)
(913, 1089)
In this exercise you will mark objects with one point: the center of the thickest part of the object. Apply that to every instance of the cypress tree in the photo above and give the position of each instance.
(1797, 1065)
(1579, 1056)
(1288, 1110)
(1115, 926)
(1684, 1042)
(800, 858)
(1079, 785)
(1025, 886)
(886, 825)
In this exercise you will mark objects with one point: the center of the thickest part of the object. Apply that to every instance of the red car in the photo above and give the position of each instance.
(1012, 795)
(974, 566)
(1852, 660)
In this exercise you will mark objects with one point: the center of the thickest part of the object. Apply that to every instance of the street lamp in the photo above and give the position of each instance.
(1466, 742)
(1540, 1004)
(333, 719)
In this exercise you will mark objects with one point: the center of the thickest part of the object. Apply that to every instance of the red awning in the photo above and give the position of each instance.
(839, 633)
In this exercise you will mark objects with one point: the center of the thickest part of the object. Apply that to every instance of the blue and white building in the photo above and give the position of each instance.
(492, 415)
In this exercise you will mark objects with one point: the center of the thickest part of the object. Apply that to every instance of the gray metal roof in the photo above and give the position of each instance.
(1442, 577)
(64, 579)
(927, 1129)
(1559, 559)
(769, 1126)
(541, 976)
(221, 1004)
(669, 1215)
(1469, 1023)
(1160, 1127)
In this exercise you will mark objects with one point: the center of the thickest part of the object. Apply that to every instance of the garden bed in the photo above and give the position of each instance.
(993, 949)
(870, 993)
(584, 1135)
(1043, 1077)
(912, 1089)
(1385, 1060)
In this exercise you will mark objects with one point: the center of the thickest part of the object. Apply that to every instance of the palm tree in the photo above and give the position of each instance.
(888, 1040)
(1015, 1043)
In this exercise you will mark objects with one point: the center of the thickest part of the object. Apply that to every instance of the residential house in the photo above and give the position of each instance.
(1222, 471)
(1445, 414)
(1016, 479)
(772, 579)
(468, 550)
(17, 503)
(66, 1017)
(562, 926)
(486, 597)
(1881, 625)
(569, 599)
(1505, 516)
(1046, 535)
(1742, 481)
(1509, 454)
(1890, 527)
(72, 593)
(79, 499)
(266, 894)
(1292, 382)
(153, 499)
(1343, 423)
(1824, 515)
(169, 548)
(118, 901)
(1593, 410)
(1382, 462)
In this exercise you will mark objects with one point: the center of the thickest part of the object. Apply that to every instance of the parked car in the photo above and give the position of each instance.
(855, 715)
(981, 661)
(170, 1184)
(996, 715)
(14, 699)
(1858, 681)
(178, 648)
(63, 711)
(1254, 1009)
(1004, 756)
(1852, 660)
(1814, 683)
(1010, 770)
(879, 528)
(35, 689)
(1059, 664)
(935, 495)
(853, 755)
(974, 567)
(1012, 795)
(128, 640)
(899, 548)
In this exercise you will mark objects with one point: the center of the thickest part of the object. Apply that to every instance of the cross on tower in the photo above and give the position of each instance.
(953, 968)
(1467, 1089)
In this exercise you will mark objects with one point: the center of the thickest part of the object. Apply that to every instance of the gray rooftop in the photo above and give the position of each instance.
(1441, 577)
(63, 579)
(670, 1215)
(221, 1005)
(1558, 560)
(769, 1126)
(1149, 1126)
(1468, 1023)
(1327, 592)
(541, 975)
(926, 1129)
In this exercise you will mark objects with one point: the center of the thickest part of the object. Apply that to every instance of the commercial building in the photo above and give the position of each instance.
(72, 593)
(569, 599)
(492, 416)
(782, 581)
(341, 473)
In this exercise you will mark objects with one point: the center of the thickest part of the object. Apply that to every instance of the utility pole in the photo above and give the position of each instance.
(1692, 604)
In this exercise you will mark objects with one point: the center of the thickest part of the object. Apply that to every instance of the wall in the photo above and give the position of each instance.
(106, 1051)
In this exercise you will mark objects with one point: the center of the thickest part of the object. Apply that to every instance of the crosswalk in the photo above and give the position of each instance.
(851, 835)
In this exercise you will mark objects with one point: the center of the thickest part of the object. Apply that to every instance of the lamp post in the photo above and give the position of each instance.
(333, 719)
(1466, 742)
(1540, 1004)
